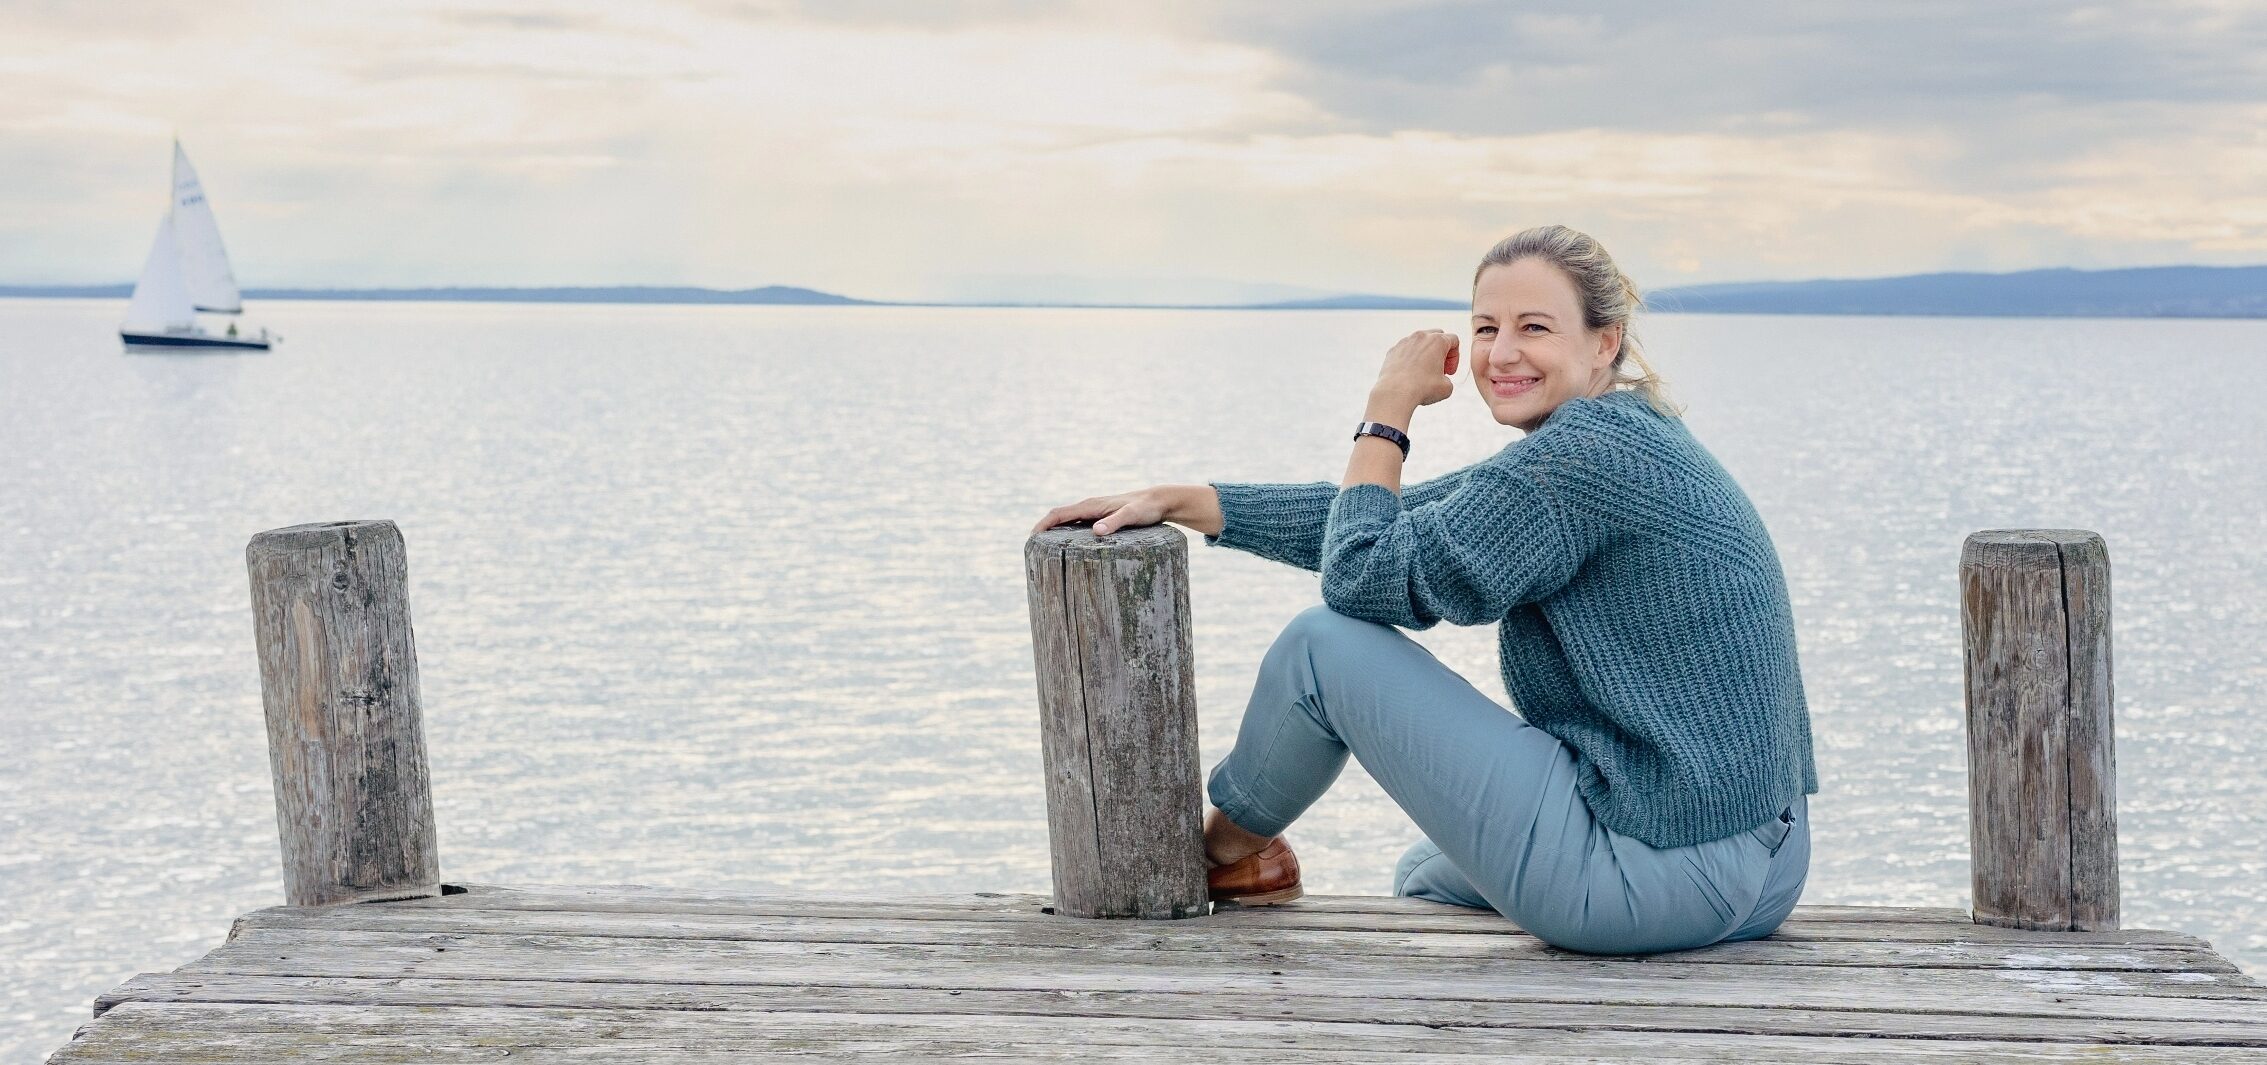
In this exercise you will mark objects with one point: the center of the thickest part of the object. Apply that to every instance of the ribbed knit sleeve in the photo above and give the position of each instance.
(1284, 522)
(1497, 541)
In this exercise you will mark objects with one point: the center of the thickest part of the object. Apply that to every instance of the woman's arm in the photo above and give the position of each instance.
(1285, 522)
(1498, 540)
(1377, 460)
(1415, 374)
(1195, 506)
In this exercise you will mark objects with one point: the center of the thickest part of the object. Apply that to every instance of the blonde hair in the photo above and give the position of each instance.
(1608, 296)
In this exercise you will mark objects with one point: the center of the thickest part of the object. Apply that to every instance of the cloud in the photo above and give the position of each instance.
(888, 149)
(1486, 68)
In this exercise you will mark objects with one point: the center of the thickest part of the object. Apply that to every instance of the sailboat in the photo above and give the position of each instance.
(187, 275)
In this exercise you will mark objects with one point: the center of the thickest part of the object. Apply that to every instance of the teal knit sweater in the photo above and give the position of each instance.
(1643, 616)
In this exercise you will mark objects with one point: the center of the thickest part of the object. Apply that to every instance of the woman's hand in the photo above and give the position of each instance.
(1417, 369)
(1196, 506)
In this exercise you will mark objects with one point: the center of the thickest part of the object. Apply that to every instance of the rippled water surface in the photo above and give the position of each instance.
(733, 597)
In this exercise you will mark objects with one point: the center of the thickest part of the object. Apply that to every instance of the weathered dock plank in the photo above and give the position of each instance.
(1251, 936)
(568, 975)
(384, 1033)
(1104, 955)
(1326, 912)
(2181, 1022)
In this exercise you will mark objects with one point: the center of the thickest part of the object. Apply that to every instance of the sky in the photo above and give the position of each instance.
(1000, 150)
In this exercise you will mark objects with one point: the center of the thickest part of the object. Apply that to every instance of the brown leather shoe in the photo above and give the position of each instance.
(1267, 877)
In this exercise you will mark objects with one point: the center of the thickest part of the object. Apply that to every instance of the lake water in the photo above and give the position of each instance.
(733, 597)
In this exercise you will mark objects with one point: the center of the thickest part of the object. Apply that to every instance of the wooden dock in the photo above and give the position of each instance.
(377, 959)
(642, 974)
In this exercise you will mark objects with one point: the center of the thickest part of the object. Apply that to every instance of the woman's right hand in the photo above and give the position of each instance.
(1147, 506)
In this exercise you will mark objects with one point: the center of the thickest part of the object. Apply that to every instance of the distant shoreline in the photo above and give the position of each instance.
(2140, 292)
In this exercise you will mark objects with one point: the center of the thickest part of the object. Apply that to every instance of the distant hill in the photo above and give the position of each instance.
(769, 294)
(773, 294)
(2144, 292)
(69, 292)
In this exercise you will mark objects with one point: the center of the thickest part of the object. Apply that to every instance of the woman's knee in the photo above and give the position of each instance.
(1418, 854)
(1319, 623)
(1425, 873)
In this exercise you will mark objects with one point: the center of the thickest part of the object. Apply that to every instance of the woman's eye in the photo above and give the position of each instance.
(1536, 326)
(1483, 330)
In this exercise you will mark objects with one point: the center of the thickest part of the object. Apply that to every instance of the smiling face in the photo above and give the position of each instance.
(1531, 348)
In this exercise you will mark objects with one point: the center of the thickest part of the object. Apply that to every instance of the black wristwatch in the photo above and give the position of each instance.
(1399, 438)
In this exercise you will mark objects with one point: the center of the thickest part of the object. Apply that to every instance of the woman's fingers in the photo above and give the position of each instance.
(1069, 512)
(1421, 363)
(1112, 522)
(1109, 513)
(1107, 518)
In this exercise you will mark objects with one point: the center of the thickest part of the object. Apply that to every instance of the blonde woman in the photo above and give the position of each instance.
(1648, 795)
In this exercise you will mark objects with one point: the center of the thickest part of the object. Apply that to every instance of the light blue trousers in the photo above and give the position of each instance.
(1504, 827)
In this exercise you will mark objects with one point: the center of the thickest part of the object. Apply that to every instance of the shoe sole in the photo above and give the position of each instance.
(1264, 898)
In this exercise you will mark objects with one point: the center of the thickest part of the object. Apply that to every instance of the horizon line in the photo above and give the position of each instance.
(1937, 293)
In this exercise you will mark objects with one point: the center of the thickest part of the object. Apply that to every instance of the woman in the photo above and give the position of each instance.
(1649, 794)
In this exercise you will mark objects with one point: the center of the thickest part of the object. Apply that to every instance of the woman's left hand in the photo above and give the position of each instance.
(1417, 369)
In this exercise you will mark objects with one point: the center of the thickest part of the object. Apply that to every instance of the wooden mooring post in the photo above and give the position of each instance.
(338, 679)
(2042, 770)
(1117, 698)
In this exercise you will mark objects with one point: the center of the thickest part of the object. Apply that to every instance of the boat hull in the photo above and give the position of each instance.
(192, 340)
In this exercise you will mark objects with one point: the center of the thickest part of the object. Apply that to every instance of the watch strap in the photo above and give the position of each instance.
(1380, 429)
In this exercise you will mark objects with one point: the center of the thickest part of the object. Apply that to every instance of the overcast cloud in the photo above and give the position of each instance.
(910, 150)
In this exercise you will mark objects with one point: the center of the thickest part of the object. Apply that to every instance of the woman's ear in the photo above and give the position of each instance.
(1609, 342)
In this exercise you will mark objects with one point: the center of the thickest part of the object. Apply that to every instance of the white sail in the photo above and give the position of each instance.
(161, 298)
(204, 263)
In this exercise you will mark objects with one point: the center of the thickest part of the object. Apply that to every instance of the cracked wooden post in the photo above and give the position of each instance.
(2042, 770)
(338, 677)
(1117, 700)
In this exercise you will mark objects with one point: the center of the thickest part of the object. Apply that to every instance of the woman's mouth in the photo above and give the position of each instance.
(1512, 386)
